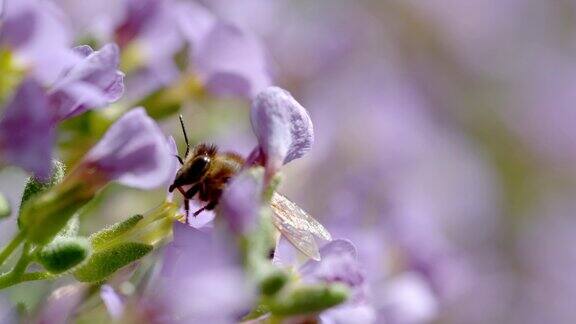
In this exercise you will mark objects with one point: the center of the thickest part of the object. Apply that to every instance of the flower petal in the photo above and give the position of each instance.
(338, 264)
(26, 135)
(282, 126)
(231, 62)
(133, 151)
(112, 301)
(35, 31)
(202, 278)
(94, 82)
(60, 305)
(241, 200)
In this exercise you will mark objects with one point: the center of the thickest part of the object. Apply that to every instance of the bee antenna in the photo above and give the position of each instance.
(185, 134)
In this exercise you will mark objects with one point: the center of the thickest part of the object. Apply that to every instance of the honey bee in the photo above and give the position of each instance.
(206, 172)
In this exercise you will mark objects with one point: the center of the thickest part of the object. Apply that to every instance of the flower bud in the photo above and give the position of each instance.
(273, 281)
(106, 235)
(308, 299)
(104, 263)
(45, 216)
(34, 186)
(63, 254)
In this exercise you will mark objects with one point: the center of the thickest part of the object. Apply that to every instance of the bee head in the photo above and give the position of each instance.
(199, 166)
(192, 172)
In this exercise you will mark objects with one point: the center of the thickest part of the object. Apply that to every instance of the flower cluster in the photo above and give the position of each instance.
(148, 147)
(83, 97)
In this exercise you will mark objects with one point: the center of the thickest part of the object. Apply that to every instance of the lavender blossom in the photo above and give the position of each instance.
(33, 31)
(93, 82)
(133, 151)
(282, 126)
(230, 62)
(148, 33)
(137, 14)
(202, 280)
(339, 264)
(26, 134)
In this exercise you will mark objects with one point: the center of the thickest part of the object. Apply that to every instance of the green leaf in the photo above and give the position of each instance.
(308, 299)
(104, 263)
(5, 208)
(106, 235)
(63, 254)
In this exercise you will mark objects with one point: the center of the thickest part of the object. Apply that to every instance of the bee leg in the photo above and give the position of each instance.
(179, 159)
(187, 208)
(190, 193)
(196, 213)
(209, 206)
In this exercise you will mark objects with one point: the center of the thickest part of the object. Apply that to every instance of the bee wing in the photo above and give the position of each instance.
(297, 226)
(301, 239)
(290, 213)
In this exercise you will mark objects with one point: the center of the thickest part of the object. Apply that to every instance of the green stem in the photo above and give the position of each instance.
(9, 249)
(23, 262)
(8, 279)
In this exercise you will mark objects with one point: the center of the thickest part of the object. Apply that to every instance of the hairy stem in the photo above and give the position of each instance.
(9, 249)
(8, 279)
(23, 262)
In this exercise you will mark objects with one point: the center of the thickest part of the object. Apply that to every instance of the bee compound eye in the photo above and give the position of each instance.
(200, 163)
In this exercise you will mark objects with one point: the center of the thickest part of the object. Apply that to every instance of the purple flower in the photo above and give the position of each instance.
(134, 151)
(34, 31)
(339, 264)
(26, 135)
(202, 279)
(230, 62)
(138, 13)
(61, 304)
(241, 201)
(149, 32)
(194, 21)
(113, 302)
(282, 126)
(93, 82)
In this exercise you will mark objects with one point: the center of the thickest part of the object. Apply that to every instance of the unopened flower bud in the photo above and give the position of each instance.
(63, 254)
(309, 299)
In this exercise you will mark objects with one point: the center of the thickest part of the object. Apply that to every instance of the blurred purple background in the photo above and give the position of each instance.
(445, 141)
